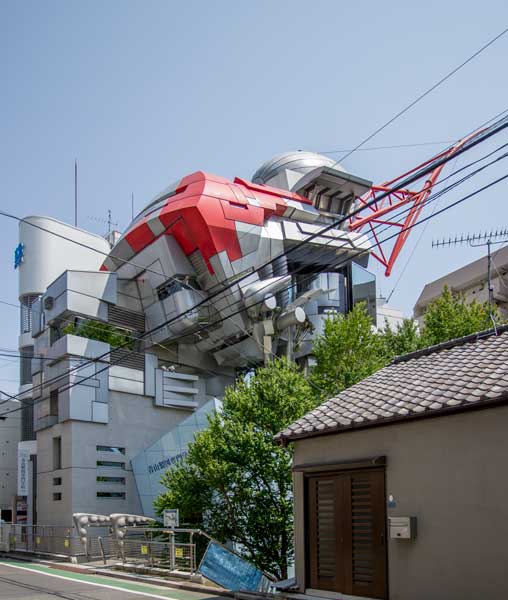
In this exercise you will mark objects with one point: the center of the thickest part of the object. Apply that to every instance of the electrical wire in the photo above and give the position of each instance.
(98, 358)
(429, 217)
(423, 95)
(480, 138)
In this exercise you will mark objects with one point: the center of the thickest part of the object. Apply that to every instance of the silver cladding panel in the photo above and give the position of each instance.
(300, 161)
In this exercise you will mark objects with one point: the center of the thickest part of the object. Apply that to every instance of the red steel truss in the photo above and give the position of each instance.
(391, 199)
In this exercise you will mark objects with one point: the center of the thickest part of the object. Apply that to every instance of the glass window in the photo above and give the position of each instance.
(57, 495)
(57, 481)
(103, 479)
(111, 463)
(363, 285)
(111, 495)
(113, 449)
(57, 453)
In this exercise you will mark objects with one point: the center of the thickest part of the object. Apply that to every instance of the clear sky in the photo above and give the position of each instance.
(145, 92)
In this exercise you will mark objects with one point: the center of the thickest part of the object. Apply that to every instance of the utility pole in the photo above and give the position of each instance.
(475, 241)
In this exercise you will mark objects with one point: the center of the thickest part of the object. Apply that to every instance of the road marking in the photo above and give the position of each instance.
(120, 587)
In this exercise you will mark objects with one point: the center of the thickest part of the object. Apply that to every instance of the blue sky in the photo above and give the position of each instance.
(145, 92)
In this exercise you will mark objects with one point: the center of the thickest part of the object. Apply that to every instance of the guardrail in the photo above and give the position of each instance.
(178, 552)
(41, 539)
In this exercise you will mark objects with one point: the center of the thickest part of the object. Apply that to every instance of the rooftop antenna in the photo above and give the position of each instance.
(75, 192)
(475, 241)
(132, 206)
(107, 220)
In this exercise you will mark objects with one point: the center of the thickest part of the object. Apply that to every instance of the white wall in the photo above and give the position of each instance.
(47, 255)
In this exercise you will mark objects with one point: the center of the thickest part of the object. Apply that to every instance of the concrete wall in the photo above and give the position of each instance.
(451, 473)
(10, 433)
(135, 423)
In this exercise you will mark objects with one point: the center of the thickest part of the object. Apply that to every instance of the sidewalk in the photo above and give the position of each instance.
(106, 575)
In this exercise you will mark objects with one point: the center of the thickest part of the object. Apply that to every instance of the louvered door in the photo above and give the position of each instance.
(347, 533)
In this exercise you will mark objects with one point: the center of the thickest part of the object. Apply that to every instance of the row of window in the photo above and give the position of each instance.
(111, 464)
(57, 464)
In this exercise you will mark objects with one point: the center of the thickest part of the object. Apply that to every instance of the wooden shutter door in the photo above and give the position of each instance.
(325, 527)
(367, 568)
(346, 524)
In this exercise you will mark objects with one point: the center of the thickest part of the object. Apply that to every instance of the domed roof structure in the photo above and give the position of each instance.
(299, 161)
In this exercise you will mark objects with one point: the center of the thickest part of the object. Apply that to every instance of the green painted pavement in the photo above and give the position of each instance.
(129, 586)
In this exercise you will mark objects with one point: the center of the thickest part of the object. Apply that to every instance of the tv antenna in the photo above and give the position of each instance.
(476, 240)
(110, 223)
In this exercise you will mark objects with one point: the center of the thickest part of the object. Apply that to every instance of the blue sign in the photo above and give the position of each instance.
(229, 570)
(19, 255)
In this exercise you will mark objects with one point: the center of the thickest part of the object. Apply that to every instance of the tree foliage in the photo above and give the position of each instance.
(235, 480)
(346, 352)
(103, 332)
(449, 316)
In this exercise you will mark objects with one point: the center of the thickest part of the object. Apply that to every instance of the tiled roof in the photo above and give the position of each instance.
(456, 375)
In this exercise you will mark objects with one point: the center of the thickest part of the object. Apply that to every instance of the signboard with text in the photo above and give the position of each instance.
(171, 518)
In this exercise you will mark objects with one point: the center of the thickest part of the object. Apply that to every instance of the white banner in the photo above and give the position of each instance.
(23, 471)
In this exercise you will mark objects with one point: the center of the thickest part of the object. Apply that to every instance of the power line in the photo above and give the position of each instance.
(85, 363)
(394, 147)
(481, 137)
(479, 190)
(422, 96)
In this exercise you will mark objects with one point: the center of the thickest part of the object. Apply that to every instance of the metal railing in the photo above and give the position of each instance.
(173, 549)
(42, 539)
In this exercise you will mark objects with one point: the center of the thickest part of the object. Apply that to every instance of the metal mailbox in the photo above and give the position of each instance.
(402, 528)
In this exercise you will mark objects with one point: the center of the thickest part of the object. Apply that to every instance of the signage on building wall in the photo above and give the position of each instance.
(171, 518)
(23, 463)
(19, 255)
(165, 463)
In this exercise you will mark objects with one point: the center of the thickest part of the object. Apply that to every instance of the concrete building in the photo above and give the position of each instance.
(387, 314)
(10, 431)
(128, 341)
(471, 281)
(400, 481)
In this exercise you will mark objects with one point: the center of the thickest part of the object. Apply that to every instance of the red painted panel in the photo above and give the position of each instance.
(140, 237)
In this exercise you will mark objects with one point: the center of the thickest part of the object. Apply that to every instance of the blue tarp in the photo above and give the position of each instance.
(229, 570)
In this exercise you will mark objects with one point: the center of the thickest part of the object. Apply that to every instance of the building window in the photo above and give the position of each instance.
(57, 496)
(57, 481)
(111, 463)
(25, 365)
(102, 479)
(113, 449)
(53, 403)
(57, 453)
(111, 495)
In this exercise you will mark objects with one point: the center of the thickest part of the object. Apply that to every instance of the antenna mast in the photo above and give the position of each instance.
(475, 241)
(75, 193)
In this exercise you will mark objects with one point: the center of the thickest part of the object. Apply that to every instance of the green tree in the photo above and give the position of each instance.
(400, 340)
(235, 480)
(450, 316)
(346, 352)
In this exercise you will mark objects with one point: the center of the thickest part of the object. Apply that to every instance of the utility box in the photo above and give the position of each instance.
(402, 528)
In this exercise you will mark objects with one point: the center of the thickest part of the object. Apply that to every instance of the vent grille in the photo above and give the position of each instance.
(26, 312)
(25, 366)
(27, 421)
(125, 358)
(127, 319)
(362, 530)
(326, 528)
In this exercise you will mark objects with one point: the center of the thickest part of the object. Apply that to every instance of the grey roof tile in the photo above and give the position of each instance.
(459, 373)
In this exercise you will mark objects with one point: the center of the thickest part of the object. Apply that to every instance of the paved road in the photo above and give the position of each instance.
(27, 581)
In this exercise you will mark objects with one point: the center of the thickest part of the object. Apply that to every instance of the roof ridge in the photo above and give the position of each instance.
(473, 337)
